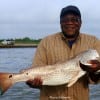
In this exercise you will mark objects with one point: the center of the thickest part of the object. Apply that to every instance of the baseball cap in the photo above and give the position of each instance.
(70, 9)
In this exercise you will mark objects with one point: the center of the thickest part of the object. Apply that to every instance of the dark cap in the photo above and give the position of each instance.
(70, 9)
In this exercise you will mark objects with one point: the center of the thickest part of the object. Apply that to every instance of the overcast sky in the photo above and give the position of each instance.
(39, 18)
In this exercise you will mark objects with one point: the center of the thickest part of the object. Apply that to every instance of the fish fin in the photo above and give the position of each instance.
(5, 82)
(80, 74)
(72, 82)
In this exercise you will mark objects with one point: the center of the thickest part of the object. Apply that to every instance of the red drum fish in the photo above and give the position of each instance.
(67, 72)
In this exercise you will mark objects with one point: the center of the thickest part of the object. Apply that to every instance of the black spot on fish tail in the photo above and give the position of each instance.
(10, 76)
(26, 73)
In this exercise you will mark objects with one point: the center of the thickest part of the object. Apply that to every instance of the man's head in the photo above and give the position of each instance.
(70, 20)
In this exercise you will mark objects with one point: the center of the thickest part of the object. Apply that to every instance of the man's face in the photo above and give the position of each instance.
(70, 25)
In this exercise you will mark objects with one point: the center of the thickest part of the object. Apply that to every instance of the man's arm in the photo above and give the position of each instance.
(95, 76)
(40, 57)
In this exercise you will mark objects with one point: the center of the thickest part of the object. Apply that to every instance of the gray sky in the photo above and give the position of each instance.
(39, 18)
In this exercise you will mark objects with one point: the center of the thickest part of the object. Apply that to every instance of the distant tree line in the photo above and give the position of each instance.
(25, 40)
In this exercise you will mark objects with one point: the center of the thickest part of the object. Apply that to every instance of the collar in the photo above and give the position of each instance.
(67, 41)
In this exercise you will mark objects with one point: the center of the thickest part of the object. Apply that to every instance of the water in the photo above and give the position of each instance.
(15, 59)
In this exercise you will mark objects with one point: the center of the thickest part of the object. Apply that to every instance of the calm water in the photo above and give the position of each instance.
(15, 59)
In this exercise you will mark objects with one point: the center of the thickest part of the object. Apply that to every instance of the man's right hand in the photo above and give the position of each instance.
(95, 66)
(35, 83)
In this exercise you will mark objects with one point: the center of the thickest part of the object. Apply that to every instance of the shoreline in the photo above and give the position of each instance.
(19, 46)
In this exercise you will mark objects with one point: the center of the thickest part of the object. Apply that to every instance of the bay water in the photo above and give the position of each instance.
(16, 59)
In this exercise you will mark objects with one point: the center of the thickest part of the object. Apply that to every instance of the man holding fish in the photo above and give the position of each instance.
(64, 64)
(63, 46)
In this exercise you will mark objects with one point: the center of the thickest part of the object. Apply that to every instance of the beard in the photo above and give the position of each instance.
(72, 36)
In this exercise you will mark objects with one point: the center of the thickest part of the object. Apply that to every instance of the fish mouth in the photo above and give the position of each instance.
(87, 62)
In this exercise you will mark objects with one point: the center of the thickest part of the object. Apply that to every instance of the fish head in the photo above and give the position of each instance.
(88, 55)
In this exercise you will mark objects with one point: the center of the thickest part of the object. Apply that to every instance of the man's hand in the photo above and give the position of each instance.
(35, 83)
(95, 66)
(92, 70)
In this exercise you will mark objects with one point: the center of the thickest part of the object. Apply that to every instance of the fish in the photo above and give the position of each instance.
(67, 72)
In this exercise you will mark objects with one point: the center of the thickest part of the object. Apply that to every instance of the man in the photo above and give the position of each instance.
(63, 46)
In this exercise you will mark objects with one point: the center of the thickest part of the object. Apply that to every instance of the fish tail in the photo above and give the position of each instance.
(5, 82)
